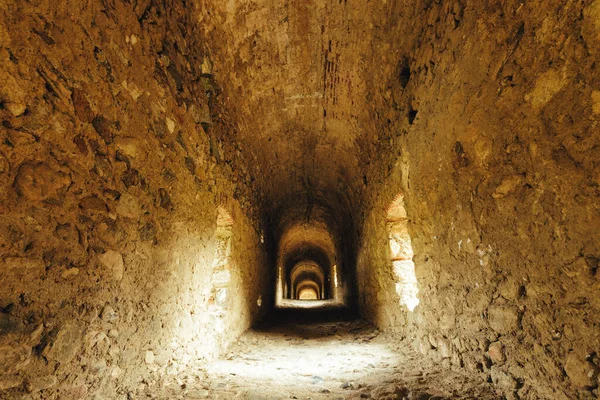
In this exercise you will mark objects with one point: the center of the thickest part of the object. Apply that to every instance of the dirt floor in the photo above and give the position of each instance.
(320, 360)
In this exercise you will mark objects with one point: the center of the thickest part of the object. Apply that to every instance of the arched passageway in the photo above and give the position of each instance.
(308, 256)
(178, 175)
(307, 273)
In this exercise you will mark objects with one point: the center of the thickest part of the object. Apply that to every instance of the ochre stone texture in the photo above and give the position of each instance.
(500, 173)
(127, 127)
(109, 188)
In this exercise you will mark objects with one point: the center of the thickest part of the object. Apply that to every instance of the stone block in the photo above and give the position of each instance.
(40, 182)
(503, 380)
(65, 346)
(581, 372)
(496, 353)
(38, 384)
(14, 358)
(503, 319)
(113, 261)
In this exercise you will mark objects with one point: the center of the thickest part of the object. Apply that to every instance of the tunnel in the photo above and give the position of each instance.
(307, 258)
(324, 199)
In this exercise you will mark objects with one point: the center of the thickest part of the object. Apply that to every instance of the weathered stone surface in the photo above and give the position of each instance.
(41, 383)
(496, 353)
(4, 164)
(109, 314)
(591, 26)
(547, 85)
(478, 171)
(128, 206)
(503, 379)
(596, 101)
(20, 138)
(98, 367)
(92, 203)
(38, 181)
(131, 148)
(71, 272)
(83, 110)
(149, 357)
(508, 185)
(9, 324)
(14, 358)
(20, 264)
(35, 336)
(13, 95)
(113, 261)
(98, 135)
(221, 278)
(65, 346)
(10, 382)
(104, 128)
(443, 345)
(503, 319)
(581, 371)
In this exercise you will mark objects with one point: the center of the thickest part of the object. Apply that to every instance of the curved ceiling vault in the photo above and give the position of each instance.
(292, 74)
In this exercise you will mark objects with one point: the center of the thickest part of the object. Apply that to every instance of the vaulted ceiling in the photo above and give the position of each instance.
(297, 85)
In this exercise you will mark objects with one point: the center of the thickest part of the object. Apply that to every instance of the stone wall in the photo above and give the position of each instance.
(494, 142)
(119, 150)
(110, 179)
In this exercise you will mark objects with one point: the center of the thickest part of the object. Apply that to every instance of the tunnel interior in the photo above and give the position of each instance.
(337, 198)
(309, 262)
(307, 282)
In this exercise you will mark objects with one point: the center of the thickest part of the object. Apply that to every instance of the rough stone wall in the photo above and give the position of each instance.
(295, 79)
(495, 144)
(109, 188)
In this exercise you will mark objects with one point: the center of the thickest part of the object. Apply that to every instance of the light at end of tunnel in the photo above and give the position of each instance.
(259, 300)
(308, 294)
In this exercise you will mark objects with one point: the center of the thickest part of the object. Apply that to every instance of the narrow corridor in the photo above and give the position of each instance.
(183, 182)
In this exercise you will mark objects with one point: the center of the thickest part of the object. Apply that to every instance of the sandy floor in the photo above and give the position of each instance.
(334, 360)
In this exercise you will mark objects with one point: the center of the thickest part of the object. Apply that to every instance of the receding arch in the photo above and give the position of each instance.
(306, 256)
(311, 272)
(308, 290)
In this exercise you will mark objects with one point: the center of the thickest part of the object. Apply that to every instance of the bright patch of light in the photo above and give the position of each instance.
(402, 254)
(335, 278)
(288, 364)
(395, 247)
(308, 294)
(406, 283)
(411, 303)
